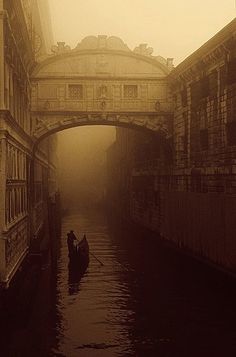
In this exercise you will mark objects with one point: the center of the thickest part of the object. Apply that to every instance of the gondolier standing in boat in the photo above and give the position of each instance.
(70, 243)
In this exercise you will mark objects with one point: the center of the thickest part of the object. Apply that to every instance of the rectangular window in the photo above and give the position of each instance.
(231, 72)
(204, 139)
(231, 133)
(185, 133)
(199, 90)
(184, 97)
(196, 183)
(75, 91)
(130, 91)
(204, 87)
(223, 79)
(213, 83)
(195, 93)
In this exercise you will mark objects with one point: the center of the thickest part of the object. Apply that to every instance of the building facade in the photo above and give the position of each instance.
(184, 188)
(23, 196)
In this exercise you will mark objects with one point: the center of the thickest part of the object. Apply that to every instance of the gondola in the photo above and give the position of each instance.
(79, 256)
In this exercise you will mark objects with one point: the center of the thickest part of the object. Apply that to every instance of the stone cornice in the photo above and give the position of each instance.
(71, 54)
(4, 134)
(6, 115)
(98, 78)
(216, 49)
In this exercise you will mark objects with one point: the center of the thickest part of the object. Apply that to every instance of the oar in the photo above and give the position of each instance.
(96, 258)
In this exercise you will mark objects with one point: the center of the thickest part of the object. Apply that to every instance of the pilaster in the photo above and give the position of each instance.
(2, 202)
(1, 55)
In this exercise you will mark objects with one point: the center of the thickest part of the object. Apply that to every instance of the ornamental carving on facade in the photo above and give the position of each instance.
(60, 48)
(37, 42)
(112, 43)
(102, 42)
(143, 50)
(48, 124)
(103, 105)
(157, 106)
(103, 92)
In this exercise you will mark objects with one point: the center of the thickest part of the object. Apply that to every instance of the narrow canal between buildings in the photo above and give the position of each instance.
(146, 300)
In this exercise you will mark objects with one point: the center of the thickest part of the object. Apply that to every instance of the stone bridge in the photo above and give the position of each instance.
(184, 189)
(101, 81)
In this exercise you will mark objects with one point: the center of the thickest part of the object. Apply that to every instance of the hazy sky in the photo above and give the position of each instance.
(174, 28)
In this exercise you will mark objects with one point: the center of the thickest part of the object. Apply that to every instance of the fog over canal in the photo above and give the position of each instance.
(146, 299)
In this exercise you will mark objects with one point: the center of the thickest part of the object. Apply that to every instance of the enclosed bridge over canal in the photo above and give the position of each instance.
(187, 194)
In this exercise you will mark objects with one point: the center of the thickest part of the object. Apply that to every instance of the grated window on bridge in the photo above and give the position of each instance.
(75, 91)
(130, 91)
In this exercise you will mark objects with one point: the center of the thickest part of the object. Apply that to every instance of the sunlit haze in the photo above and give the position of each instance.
(173, 28)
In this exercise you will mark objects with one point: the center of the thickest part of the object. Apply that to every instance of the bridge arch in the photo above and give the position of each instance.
(101, 81)
(45, 128)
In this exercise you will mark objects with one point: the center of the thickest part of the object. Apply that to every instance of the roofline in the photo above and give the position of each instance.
(220, 37)
(75, 53)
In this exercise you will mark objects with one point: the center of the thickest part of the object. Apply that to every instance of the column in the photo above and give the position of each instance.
(2, 205)
(1, 56)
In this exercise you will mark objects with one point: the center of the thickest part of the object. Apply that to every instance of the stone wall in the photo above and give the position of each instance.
(185, 190)
(22, 201)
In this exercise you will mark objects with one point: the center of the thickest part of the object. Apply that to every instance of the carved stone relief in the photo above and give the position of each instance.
(47, 124)
(102, 92)
(144, 50)
(60, 48)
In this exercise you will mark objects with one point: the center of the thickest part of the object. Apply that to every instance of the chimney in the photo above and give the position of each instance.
(169, 63)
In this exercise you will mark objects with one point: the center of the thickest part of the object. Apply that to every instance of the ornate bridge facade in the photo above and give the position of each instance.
(101, 81)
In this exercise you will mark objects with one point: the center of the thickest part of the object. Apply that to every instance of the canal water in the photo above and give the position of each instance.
(146, 300)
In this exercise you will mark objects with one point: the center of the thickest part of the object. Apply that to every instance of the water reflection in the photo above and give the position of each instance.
(74, 277)
(145, 300)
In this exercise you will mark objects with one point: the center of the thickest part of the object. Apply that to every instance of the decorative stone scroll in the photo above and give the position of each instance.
(143, 49)
(102, 42)
(60, 48)
(106, 43)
